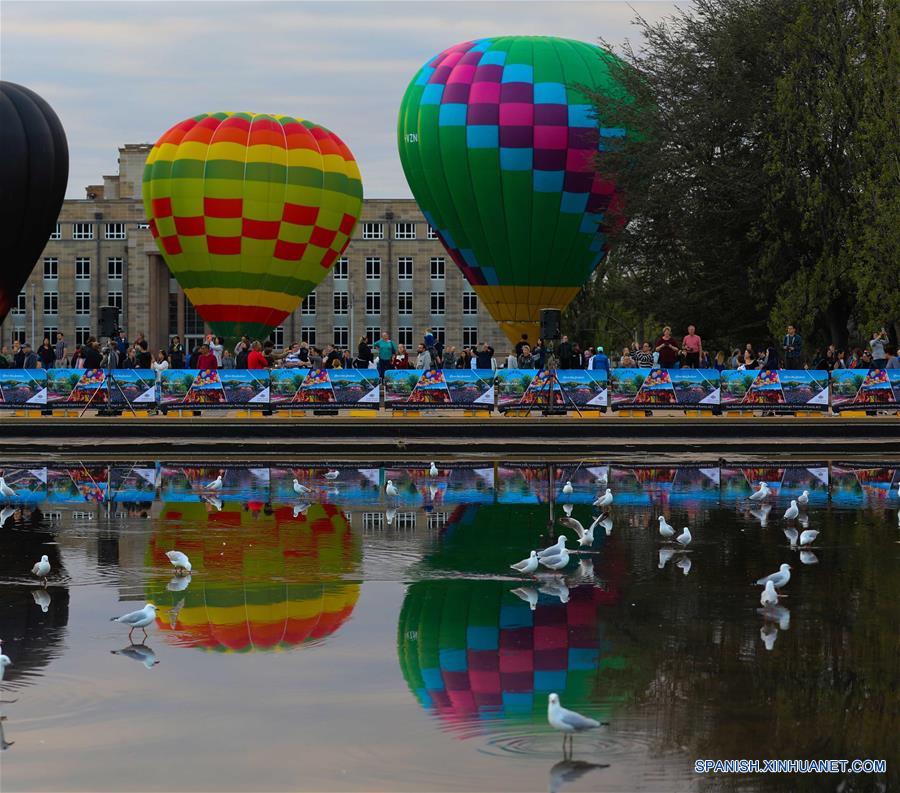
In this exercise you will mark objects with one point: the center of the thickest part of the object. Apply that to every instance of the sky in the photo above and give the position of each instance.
(124, 72)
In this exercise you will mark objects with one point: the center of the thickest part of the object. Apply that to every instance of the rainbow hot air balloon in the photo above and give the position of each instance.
(250, 211)
(498, 145)
(34, 172)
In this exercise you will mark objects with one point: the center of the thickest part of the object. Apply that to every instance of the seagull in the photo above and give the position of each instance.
(528, 594)
(179, 583)
(664, 555)
(769, 596)
(332, 474)
(585, 536)
(137, 619)
(4, 661)
(605, 500)
(685, 537)
(768, 634)
(301, 490)
(556, 562)
(528, 565)
(808, 537)
(684, 564)
(792, 511)
(139, 652)
(42, 569)
(179, 561)
(567, 488)
(779, 579)
(556, 549)
(390, 489)
(433, 470)
(760, 494)
(567, 721)
(665, 529)
(42, 599)
(803, 498)
(555, 588)
(216, 483)
(5, 490)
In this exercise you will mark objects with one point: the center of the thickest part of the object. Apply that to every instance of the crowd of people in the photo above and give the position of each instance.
(666, 351)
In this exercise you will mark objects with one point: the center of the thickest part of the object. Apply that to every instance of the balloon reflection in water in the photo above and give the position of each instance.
(262, 579)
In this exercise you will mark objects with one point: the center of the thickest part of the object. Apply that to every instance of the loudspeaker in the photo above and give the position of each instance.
(109, 321)
(550, 322)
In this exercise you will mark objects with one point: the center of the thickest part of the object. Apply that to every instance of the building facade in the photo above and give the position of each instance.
(394, 275)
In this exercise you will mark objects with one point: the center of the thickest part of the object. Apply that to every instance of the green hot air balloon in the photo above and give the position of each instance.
(498, 144)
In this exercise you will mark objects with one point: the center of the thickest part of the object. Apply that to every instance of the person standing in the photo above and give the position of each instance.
(876, 345)
(792, 347)
(627, 360)
(600, 361)
(484, 358)
(423, 357)
(61, 361)
(160, 364)
(525, 359)
(30, 359)
(255, 358)
(176, 353)
(522, 342)
(400, 360)
(565, 353)
(92, 356)
(692, 345)
(363, 354)
(644, 356)
(46, 354)
(667, 349)
(512, 362)
(121, 343)
(207, 359)
(217, 348)
(539, 354)
(892, 362)
(386, 349)
(448, 359)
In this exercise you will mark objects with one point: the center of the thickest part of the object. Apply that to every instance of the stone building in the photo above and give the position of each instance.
(395, 275)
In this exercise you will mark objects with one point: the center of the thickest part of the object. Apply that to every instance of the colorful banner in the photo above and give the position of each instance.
(23, 387)
(76, 387)
(132, 387)
(214, 388)
(527, 388)
(664, 388)
(586, 388)
(306, 388)
(793, 389)
(854, 388)
(444, 388)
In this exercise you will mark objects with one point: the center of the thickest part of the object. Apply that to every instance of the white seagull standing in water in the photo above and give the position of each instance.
(685, 537)
(792, 511)
(808, 537)
(554, 550)
(137, 619)
(567, 488)
(760, 494)
(42, 569)
(605, 500)
(390, 489)
(5, 490)
(179, 561)
(803, 498)
(557, 562)
(778, 579)
(4, 662)
(216, 483)
(585, 536)
(567, 721)
(528, 565)
(665, 530)
(300, 490)
(433, 470)
(769, 596)
(332, 474)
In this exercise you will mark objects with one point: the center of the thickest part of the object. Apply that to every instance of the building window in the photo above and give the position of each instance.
(372, 333)
(57, 233)
(404, 335)
(470, 303)
(115, 231)
(404, 231)
(438, 268)
(115, 299)
(437, 303)
(193, 322)
(308, 334)
(173, 313)
(83, 303)
(405, 303)
(341, 303)
(50, 332)
(19, 307)
(82, 267)
(82, 335)
(82, 231)
(341, 269)
(373, 302)
(432, 233)
(470, 336)
(115, 266)
(51, 303)
(19, 335)
(404, 268)
(309, 305)
(373, 267)
(373, 231)
(51, 268)
(277, 337)
(341, 336)
(440, 333)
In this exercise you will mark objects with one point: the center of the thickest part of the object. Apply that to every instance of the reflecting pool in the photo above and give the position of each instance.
(330, 636)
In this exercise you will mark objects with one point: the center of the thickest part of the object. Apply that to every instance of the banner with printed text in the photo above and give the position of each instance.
(663, 388)
(309, 388)
(858, 388)
(443, 388)
(76, 387)
(784, 389)
(200, 389)
(23, 388)
(135, 387)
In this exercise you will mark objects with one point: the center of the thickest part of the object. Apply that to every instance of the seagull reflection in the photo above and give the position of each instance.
(792, 536)
(178, 583)
(5, 514)
(4, 744)
(607, 525)
(139, 652)
(389, 515)
(664, 555)
(568, 770)
(803, 520)
(568, 509)
(779, 614)
(213, 501)
(808, 557)
(300, 509)
(762, 515)
(555, 587)
(174, 612)
(41, 598)
(585, 574)
(684, 564)
(528, 594)
(768, 634)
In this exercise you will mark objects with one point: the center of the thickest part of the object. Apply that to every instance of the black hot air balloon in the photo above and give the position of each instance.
(34, 171)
